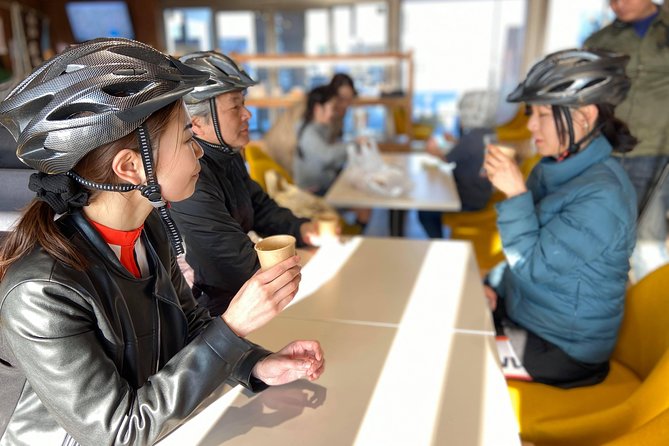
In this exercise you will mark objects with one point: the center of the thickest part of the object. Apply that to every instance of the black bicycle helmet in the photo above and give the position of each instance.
(575, 77)
(89, 95)
(224, 75)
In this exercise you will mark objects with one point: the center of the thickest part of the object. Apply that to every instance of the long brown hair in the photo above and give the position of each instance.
(37, 226)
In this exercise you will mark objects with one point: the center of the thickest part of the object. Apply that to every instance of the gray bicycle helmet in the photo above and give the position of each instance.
(89, 95)
(224, 75)
(575, 77)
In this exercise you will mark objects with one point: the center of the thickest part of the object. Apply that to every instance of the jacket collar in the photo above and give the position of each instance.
(662, 17)
(216, 148)
(555, 174)
(78, 222)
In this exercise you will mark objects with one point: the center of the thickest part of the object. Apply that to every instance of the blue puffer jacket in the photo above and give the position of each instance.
(567, 244)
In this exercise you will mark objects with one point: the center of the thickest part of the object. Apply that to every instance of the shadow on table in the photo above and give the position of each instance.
(269, 408)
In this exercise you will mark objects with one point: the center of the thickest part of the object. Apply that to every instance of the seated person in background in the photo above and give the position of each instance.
(226, 204)
(345, 90)
(317, 161)
(567, 234)
(474, 189)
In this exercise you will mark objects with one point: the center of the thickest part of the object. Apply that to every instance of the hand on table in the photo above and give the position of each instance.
(503, 172)
(263, 296)
(491, 296)
(310, 233)
(434, 147)
(297, 360)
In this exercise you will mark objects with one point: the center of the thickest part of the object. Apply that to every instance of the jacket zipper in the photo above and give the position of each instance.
(155, 300)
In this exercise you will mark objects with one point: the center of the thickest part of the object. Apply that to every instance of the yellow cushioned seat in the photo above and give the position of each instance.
(653, 433)
(259, 162)
(635, 392)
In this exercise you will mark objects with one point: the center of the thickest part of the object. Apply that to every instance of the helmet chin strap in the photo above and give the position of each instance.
(217, 129)
(574, 146)
(151, 190)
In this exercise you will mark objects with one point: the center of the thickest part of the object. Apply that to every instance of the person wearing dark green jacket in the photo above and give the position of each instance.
(641, 31)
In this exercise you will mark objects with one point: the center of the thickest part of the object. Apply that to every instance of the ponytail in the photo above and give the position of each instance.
(37, 227)
(615, 130)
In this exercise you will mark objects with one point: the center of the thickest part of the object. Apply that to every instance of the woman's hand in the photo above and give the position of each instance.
(503, 172)
(297, 360)
(491, 296)
(263, 296)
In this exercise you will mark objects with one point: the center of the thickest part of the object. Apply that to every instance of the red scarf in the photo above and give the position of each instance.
(126, 240)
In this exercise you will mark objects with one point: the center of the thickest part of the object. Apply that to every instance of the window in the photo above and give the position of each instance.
(487, 34)
(570, 22)
(187, 30)
(236, 32)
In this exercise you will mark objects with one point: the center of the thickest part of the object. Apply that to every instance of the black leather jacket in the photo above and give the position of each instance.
(215, 220)
(101, 358)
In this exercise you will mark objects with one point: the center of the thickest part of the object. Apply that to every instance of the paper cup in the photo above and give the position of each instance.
(327, 226)
(509, 152)
(492, 140)
(275, 249)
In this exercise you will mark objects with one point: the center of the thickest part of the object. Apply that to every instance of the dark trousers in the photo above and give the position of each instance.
(547, 363)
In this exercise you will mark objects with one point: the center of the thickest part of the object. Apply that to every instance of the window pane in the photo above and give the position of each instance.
(316, 41)
(361, 28)
(570, 22)
(243, 32)
(187, 30)
(435, 32)
(236, 32)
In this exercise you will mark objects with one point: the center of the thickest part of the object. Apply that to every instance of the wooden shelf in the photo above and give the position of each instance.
(398, 105)
(300, 60)
(289, 100)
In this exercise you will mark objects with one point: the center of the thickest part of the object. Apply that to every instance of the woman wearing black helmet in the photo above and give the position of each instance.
(100, 339)
(568, 233)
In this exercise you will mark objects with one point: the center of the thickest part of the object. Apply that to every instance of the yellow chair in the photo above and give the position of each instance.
(259, 162)
(480, 227)
(418, 131)
(653, 433)
(635, 392)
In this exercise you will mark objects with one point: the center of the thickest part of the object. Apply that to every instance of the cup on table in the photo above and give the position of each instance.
(275, 249)
(491, 139)
(328, 223)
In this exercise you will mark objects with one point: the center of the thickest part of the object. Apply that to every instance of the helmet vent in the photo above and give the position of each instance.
(78, 110)
(594, 82)
(564, 86)
(130, 72)
(125, 89)
(71, 68)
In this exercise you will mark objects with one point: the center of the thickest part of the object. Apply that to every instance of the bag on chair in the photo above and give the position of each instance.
(302, 203)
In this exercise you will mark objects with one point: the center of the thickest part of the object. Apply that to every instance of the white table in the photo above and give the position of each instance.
(433, 189)
(372, 280)
(382, 386)
(410, 356)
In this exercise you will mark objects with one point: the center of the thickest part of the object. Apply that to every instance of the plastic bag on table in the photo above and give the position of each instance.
(367, 171)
